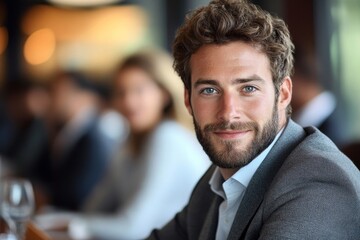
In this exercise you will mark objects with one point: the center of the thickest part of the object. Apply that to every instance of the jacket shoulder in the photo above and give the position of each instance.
(316, 191)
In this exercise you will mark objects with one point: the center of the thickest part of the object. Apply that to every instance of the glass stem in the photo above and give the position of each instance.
(20, 229)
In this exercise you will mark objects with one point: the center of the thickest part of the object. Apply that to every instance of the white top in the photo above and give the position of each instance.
(317, 110)
(233, 189)
(114, 126)
(150, 190)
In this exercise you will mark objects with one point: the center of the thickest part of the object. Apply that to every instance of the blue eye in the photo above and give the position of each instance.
(209, 91)
(249, 89)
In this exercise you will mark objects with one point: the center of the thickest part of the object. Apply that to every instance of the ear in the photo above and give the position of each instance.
(285, 93)
(187, 101)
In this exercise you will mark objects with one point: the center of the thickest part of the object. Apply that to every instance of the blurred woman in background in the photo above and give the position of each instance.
(152, 177)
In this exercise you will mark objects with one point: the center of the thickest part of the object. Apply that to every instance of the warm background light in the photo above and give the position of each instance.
(3, 39)
(40, 46)
(92, 40)
(82, 3)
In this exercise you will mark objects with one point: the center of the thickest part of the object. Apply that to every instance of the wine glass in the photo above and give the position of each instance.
(17, 205)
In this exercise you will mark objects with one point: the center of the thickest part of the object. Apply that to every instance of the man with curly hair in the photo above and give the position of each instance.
(271, 178)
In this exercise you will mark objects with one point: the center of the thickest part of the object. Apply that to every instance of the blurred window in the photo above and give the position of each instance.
(345, 59)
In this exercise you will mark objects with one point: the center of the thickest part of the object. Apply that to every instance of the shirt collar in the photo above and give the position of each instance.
(216, 182)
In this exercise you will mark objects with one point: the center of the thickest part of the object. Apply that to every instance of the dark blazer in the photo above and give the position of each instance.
(70, 177)
(304, 189)
(81, 169)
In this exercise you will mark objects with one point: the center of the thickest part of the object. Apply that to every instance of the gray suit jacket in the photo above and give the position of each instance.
(304, 189)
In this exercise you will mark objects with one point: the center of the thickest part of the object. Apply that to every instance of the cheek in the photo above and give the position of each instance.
(204, 112)
(121, 106)
(151, 105)
(261, 109)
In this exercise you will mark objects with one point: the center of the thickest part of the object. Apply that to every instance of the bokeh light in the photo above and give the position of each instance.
(92, 40)
(82, 3)
(3, 39)
(40, 46)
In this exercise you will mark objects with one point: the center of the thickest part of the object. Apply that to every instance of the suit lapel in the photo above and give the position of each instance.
(291, 137)
(210, 226)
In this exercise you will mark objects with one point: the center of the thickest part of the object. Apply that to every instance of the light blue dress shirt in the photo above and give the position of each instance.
(232, 190)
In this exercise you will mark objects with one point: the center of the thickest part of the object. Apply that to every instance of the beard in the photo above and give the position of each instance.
(229, 156)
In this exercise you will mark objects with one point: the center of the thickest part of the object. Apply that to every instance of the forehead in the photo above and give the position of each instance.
(235, 59)
(132, 75)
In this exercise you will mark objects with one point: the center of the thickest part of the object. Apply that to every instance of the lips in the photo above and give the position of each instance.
(231, 134)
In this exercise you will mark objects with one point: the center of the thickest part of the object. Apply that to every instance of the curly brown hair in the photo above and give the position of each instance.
(224, 21)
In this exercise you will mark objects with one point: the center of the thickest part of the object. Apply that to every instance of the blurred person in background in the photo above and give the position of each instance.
(312, 104)
(79, 152)
(152, 177)
(111, 122)
(5, 131)
(23, 133)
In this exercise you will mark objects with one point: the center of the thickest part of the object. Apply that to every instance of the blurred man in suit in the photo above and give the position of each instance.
(22, 126)
(79, 152)
(271, 178)
(312, 104)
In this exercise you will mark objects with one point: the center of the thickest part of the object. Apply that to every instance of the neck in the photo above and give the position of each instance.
(228, 172)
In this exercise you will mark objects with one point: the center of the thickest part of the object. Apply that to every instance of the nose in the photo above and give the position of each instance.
(229, 107)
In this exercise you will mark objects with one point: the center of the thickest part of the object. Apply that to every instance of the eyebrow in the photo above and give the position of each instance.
(251, 78)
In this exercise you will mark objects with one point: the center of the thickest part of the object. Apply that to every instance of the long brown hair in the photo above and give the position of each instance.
(158, 65)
